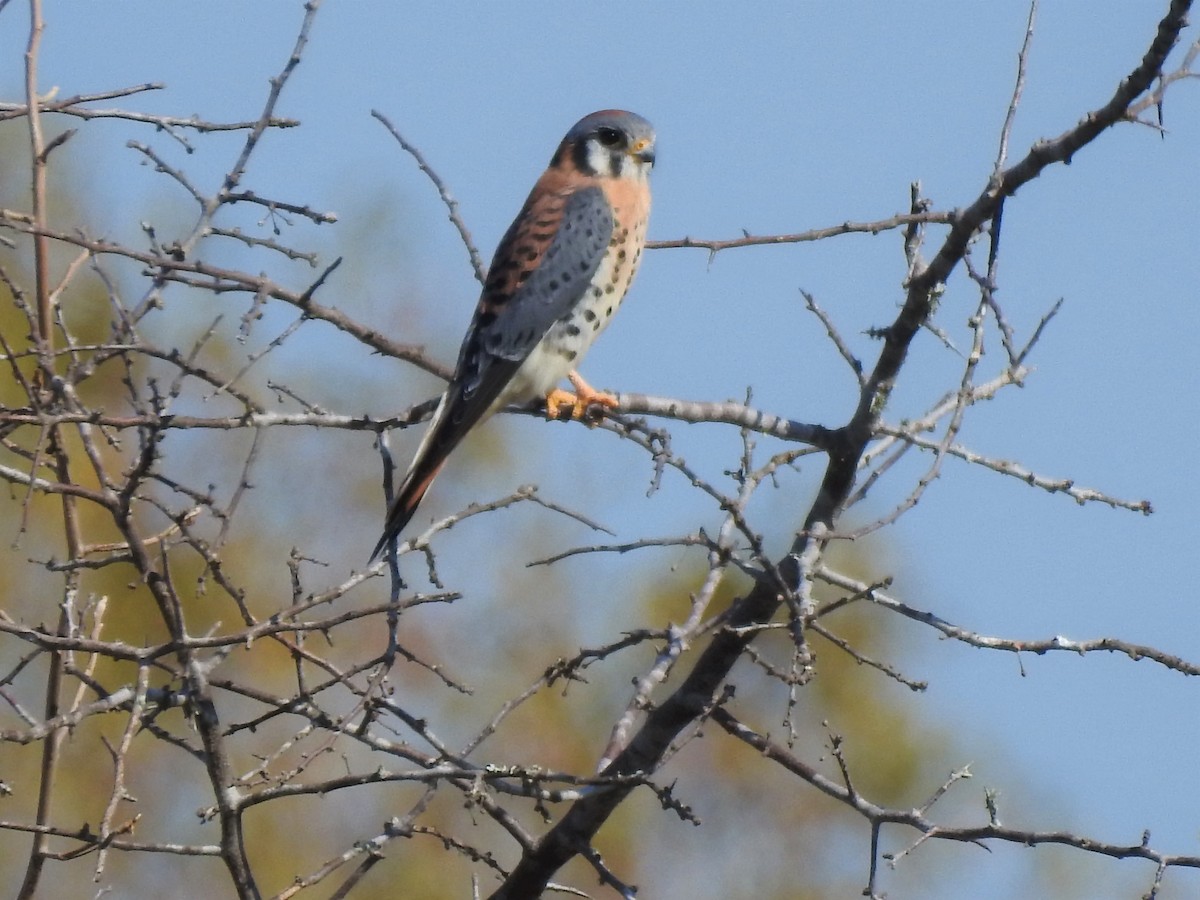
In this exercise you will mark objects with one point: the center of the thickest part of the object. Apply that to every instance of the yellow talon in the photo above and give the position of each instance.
(579, 404)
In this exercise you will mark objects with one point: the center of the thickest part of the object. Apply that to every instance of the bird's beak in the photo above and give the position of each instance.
(643, 151)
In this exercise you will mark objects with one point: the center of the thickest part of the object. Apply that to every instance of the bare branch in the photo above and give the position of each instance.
(1039, 647)
(916, 818)
(900, 220)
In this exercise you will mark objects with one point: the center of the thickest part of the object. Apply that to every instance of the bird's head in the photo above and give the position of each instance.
(611, 143)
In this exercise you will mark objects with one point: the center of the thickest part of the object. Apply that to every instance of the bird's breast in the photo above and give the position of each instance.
(569, 338)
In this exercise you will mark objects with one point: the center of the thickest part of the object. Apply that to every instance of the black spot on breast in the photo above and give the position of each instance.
(588, 315)
(572, 330)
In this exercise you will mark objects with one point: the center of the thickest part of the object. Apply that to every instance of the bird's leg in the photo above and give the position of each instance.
(578, 403)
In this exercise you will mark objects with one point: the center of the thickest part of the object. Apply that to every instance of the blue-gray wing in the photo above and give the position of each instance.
(542, 270)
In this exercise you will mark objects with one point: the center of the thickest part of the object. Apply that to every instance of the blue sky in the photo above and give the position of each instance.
(779, 117)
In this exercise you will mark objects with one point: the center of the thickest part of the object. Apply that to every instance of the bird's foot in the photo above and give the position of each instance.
(586, 403)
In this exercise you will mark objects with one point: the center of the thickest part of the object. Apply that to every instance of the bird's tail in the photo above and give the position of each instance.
(405, 504)
(428, 462)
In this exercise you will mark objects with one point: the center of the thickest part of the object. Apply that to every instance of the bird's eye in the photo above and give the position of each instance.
(609, 137)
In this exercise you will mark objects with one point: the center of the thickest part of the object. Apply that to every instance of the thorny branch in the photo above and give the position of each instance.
(928, 828)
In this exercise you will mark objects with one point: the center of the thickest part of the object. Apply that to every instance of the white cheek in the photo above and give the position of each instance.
(597, 158)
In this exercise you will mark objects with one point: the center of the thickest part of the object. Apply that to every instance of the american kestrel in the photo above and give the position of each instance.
(559, 274)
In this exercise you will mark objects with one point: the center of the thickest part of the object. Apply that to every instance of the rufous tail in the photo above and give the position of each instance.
(431, 456)
(404, 506)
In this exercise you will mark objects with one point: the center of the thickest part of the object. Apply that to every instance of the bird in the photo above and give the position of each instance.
(558, 275)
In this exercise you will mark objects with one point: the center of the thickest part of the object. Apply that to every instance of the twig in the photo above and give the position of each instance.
(448, 201)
